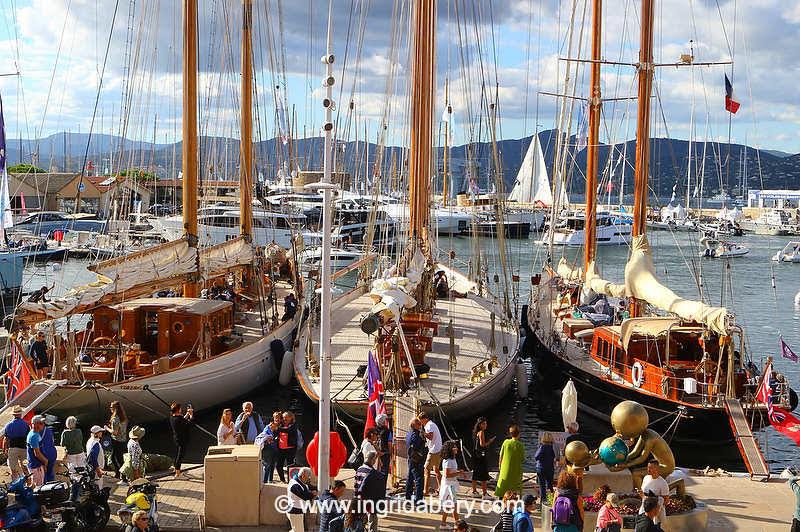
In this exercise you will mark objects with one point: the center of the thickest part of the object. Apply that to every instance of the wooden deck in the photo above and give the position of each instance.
(471, 318)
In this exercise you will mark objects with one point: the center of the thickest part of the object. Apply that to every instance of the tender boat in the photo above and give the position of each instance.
(719, 249)
(789, 253)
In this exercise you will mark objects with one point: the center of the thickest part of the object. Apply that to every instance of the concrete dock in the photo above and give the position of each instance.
(734, 503)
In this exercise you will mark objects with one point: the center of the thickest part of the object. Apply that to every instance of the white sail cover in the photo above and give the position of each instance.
(392, 293)
(569, 404)
(140, 273)
(641, 282)
(600, 286)
(533, 184)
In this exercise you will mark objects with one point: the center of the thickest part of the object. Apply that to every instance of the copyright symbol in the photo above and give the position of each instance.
(282, 503)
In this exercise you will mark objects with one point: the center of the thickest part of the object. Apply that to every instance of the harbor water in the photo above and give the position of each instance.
(742, 284)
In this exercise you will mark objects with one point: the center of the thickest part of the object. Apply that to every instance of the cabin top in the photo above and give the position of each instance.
(185, 305)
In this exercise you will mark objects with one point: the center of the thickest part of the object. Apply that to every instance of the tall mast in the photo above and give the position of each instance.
(422, 85)
(189, 144)
(246, 141)
(645, 72)
(448, 116)
(592, 156)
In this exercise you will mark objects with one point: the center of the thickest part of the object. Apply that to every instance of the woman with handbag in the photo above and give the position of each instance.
(480, 466)
(608, 518)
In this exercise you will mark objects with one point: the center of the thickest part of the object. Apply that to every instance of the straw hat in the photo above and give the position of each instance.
(613, 499)
(136, 432)
(17, 410)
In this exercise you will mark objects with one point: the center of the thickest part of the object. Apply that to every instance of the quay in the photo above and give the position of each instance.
(735, 503)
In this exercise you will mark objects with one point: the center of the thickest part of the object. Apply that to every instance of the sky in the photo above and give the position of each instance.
(506, 51)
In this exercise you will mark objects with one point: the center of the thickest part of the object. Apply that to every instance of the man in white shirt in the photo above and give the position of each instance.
(654, 484)
(433, 441)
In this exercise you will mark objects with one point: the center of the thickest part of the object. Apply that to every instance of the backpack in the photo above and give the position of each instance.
(563, 510)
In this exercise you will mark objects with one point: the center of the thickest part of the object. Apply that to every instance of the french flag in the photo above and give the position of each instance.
(731, 105)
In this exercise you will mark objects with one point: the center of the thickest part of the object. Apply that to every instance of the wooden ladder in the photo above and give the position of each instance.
(748, 445)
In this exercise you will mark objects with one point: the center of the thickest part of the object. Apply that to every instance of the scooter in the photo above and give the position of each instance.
(141, 496)
(25, 513)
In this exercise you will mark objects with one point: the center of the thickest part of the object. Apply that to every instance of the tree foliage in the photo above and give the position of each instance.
(138, 174)
(25, 168)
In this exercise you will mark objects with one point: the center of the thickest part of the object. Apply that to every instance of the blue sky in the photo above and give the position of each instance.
(59, 45)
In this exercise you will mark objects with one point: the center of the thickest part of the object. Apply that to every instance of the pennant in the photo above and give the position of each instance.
(787, 352)
(731, 105)
(376, 405)
(783, 421)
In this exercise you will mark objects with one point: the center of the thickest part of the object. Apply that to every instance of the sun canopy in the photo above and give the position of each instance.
(646, 327)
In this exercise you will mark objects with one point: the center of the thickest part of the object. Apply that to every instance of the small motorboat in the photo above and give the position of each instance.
(719, 249)
(789, 253)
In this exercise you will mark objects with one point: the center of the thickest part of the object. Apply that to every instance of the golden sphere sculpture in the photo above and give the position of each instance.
(629, 419)
(577, 453)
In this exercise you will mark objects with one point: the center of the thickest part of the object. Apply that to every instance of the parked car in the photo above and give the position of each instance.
(45, 222)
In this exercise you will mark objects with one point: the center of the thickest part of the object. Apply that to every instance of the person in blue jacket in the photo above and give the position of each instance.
(48, 447)
(545, 464)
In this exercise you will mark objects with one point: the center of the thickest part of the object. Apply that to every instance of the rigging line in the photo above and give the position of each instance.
(99, 89)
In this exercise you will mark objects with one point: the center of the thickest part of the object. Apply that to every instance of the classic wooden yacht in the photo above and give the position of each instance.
(149, 351)
(454, 352)
(685, 361)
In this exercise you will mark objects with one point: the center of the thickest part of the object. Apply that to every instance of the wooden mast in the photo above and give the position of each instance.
(592, 155)
(645, 72)
(422, 87)
(189, 144)
(246, 140)
(448, 116)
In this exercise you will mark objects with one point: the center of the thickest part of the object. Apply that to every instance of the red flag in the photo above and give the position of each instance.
(376, 405)
(780, 419)
(19, 376)
(731, 105)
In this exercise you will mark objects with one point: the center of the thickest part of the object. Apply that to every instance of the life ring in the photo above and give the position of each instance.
(637, 374)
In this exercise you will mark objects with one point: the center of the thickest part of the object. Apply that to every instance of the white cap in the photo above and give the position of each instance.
(95, 429)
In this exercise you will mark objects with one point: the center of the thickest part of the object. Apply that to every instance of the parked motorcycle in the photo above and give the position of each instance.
(26, 512)
(91, 502)
(141, 496)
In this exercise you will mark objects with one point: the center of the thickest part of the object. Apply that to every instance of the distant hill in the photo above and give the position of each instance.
(777, 153)
(219, 159)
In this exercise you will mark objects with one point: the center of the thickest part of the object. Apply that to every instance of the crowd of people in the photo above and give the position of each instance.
(30, 447)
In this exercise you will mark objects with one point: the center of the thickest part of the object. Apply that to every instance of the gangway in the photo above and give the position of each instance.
(31, 396)
(748, 445)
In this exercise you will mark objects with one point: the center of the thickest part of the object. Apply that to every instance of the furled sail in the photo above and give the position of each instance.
(641, 282)
(140, 273)
(600, 286)
(221, 258)
(533, 184)
(569, 272)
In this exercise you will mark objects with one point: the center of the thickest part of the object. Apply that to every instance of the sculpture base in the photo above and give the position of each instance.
(598, 475)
